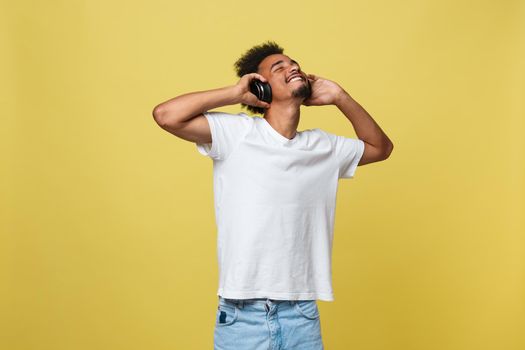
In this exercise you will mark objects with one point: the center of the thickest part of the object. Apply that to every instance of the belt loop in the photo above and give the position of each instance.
(241, 303)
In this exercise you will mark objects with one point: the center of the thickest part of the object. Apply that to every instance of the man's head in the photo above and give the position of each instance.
(280, 70)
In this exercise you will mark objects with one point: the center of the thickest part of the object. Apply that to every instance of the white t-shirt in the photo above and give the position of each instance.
(275, 204)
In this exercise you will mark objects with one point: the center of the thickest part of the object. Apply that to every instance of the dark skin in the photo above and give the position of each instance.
(282, 114)
(288, 96)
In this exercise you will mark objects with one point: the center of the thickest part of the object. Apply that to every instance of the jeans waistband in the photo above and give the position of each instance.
(241, 302)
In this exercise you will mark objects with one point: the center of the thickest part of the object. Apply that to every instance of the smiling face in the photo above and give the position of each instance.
(285, 77)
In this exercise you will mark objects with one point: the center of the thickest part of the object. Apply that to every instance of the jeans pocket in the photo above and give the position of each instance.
(226, 314)
(307, 308)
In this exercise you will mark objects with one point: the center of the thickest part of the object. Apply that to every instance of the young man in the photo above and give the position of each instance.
(275, 195)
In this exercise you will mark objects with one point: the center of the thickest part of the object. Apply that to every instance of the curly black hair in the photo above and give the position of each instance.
(249, 63)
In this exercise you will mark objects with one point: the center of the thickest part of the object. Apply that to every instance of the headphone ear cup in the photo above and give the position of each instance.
(255, 88)
(262, 90)
(267, 95)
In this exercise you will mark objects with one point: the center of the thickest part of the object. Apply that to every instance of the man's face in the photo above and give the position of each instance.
(285, 77)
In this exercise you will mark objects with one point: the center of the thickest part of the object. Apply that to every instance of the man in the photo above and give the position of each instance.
(275, 195)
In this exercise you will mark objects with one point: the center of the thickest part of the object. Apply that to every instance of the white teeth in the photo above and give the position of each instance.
(296, 78)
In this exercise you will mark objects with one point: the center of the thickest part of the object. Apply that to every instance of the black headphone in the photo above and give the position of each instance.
(262, 90)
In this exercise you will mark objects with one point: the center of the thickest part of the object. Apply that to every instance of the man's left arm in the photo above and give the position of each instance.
(326, 92)
(378, 146)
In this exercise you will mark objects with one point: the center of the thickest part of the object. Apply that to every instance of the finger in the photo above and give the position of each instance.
(260, 77)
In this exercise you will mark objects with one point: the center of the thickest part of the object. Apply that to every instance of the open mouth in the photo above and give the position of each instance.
(296, 78)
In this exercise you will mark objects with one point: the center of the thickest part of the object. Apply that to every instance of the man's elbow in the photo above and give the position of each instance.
(388, 150)
(157, 113)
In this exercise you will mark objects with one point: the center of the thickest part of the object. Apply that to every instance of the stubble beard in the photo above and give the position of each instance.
(304, 91)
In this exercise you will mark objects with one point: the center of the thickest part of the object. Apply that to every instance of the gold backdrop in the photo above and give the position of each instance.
(108, 239)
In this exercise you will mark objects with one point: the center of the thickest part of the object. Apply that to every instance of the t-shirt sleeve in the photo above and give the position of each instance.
(227, 130)
(348, 152)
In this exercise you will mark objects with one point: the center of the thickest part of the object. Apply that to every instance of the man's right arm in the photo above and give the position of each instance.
(183, 115)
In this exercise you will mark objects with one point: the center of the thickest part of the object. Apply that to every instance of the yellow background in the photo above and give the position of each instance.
(107, 230)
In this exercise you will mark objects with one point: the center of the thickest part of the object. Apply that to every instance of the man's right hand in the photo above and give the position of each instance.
(245, 95)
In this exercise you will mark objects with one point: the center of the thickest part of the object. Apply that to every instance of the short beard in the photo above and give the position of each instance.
(304, 92)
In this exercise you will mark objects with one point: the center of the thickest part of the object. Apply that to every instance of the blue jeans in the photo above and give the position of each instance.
(267, 324)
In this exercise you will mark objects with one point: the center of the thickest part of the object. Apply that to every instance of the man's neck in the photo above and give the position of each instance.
(284, 118)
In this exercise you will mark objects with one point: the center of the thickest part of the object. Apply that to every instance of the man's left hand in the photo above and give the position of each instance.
(324, 91)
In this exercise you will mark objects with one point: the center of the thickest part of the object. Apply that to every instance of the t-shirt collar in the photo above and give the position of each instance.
(278, 136)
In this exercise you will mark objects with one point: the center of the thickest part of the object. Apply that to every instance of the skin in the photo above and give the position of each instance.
(287, 97)
(183, 116)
